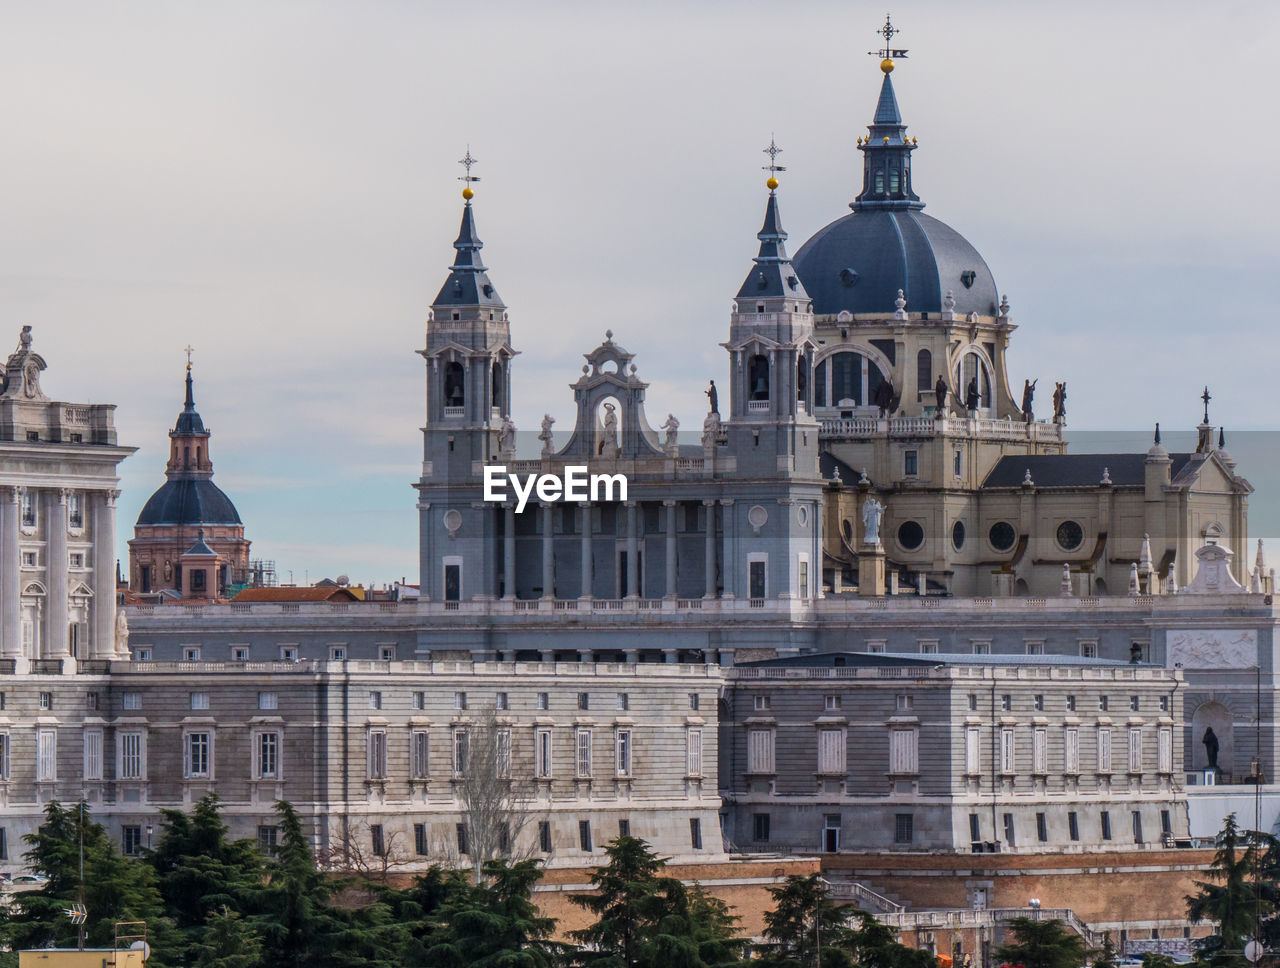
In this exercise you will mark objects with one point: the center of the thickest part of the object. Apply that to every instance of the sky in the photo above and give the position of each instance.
(275, 184)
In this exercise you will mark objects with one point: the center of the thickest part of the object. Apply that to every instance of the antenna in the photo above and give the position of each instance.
(888, 52)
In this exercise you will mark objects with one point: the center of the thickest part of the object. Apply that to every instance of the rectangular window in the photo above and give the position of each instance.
(376, 754)
(582, 743)
(1071, 749)
(1007, 750)
(419, 700)
(981, 648)
(1010, 837)
(693, 700)
(28, 500)
(288, 653)
(905, 703)
(420, 839)
(693, 751)
(830, 703)
(196, 758)
(377, 840)
(129, 766)
(973, 750)
(460, 743)
(199, 700)
(695, 833)
(1073, 825)
(1137, 826)
(975, 828)
(622, 745)
(502, 701)
(4, 755)
(1104, 749)
(387, 653)
(4, 843)
(375, 700)
(268, 836)
(973, 702)
(760, 828)
(1040, 750)
(268, 700)
(542, 752)
(337, 653)
(911, 463)
(624, 828)
(1166, 823)
(1038, 702)
(420, 741)
(624, 701)
(1103, 704)
(239, 654)
(502, 752)
(756, 579)
(1135, 749)
(903, 828)
(1089, 649)
(268, 756)
(1106, 825)
(1164, 750)
(544, 836)
(1164, 704)
(760, 751)
(131, 840)
(191, 653)
(544, 700)
(28, 559)
(831, 757)
(92, 754)
(802, 578)
(463, 845)
(77, 559)
(46, 700)
(1035, 648)
(760, 703)
(1071, 704)
(459, 700)
(1006, 702)
(1042, 828)
(584, 835)
(1134, 704)
(903, 751)
(584, 700)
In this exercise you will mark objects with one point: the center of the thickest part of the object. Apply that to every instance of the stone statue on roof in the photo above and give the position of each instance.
(672, 427)
(872, 511)
(544, 434)
(506, 435)
(713, 397)
(1028, 394)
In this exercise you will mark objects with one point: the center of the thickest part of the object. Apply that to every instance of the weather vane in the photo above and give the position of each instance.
(189, 349)
(888, 52)
(466, 163)
(773, 151)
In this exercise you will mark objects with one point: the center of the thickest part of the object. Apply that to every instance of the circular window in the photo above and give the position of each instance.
(757, 517)
(1070, 535)
(452, 519)
(957, 535)
(1002, 536)
(910, 535)
(802, 515)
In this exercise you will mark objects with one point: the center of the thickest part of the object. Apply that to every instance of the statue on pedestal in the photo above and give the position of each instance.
(713, 397)
(609, 438)
(940, 397)
(872, 511)
(1028, 394)
(1059, 402)
(121, 633)
(545, 434)
(711, 430)
(506, 435)
(971, 396)
(672, 427)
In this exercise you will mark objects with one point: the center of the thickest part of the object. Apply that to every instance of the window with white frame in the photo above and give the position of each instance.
(419, 700)
(288, 653)
(461, 744)
(197, 754)
(973, 750)
(1040, 750)
(622, 752)
(501, 701)
(239, 653)
(387, 653)
(624, 701)
(1071, 749)
(760, 751)
(583, 752)
(1135, 749)
(502, 752)
(4, 756)
(1104, 749)
(693, 751)
(129, 759)
(459, 700)
(199, 700)
(376, 754)
(266, 756)
(75, 511)
(191, 653)
(268, 700)
(542, 752)
(760, 703)
(904, 751)
(830, 703)
(337, 653)
(1007, 750)
(92, 754)
(420, 754)
(1164, 750)
(46, 754)
(131, 701)
(544, 700)
(375, 700)
(831, 758)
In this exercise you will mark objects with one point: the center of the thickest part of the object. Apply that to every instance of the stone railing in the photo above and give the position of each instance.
(985, 917)
(927, 426)
(421, 667)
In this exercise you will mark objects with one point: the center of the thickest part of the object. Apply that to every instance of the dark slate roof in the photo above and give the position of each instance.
(189, 501)
(1076, 470)
(773, 274)
(200, 548)
(189, 421)
(468, 283)
(827, 465)
(859, 262)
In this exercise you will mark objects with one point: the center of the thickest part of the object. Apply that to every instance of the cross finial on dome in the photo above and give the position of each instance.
(1206, 398)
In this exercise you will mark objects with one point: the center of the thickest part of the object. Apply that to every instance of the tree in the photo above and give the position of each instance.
(1106, 956)
(495, 924)
(1227, 897)
(876, 945)
(226, 941)
(805, 927)
(1042, 944)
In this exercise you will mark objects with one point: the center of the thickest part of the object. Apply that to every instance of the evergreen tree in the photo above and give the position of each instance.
(226, 941)
(876, 945)
(1227, 897)
(417, 909)
(1042, 944)
(805, 927)
(1106, 956)
(495, 924)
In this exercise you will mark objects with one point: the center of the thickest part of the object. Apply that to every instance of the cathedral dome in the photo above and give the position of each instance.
(859, 262)
(189, 501)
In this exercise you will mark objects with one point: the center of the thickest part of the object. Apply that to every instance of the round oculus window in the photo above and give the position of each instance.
(910, 535)
(1070, 535)
(957, 535)
(1002, 536)
(802, 515)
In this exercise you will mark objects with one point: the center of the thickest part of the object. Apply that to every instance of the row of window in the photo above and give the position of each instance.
(1086, 648)
(240, 653)
(1069, 703)
(1070, 749)
(29, 503)
(620, 701)
(31, 559)
(422, 845)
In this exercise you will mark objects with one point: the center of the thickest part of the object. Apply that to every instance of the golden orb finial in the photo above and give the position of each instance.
(772, 183)
(886, 65)
(468, 194)
(886, 139)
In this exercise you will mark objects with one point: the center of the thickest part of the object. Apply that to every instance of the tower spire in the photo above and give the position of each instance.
(468, 283)
(773, 275)
(886, 150)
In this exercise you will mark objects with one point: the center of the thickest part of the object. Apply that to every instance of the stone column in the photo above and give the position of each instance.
(102, 643)
(508, 551)
(586, 550)
(709, 565)
(671, 547)
(633, 553)
(55, 640)
(548, 553)
(10, 565)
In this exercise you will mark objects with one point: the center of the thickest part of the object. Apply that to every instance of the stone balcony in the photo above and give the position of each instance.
(863, 427)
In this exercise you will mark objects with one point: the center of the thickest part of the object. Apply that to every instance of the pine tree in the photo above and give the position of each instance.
(226, 941)
(1228, 897)
(1042, 944)
(291, 908)
(495, 924)
(805, 927)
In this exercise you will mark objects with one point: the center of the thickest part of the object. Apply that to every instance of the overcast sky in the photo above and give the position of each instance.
(275, 183)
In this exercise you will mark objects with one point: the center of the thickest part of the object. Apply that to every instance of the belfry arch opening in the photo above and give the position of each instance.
(846, 378)
(454, 385)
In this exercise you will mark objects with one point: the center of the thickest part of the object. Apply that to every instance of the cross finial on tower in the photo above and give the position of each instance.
(466, 163)
(888, 51)
(189, 350)
(1206, 398)
(773, 167)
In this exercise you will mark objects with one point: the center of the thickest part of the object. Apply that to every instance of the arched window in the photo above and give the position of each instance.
(846, 379)
(497, 386)
(880, 183)
(758, 378)
(454, 385)
(802, 379)
(893, 181)
(198, 449)
(186, 456)
(924, 370)
(972, 367)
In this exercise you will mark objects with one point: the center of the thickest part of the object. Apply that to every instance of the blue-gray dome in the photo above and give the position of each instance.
(189, 501)
(859, 262)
